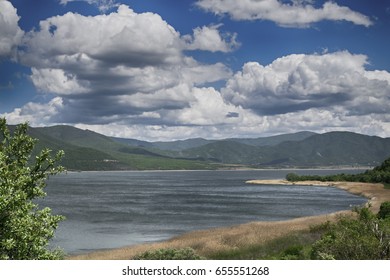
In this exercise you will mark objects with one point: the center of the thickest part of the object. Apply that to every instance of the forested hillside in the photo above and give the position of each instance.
(88, 150)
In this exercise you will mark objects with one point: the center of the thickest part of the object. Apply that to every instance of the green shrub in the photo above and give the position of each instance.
(364, 238)
(293, 177)
(169, 254)
(295, 252)
(384, 210)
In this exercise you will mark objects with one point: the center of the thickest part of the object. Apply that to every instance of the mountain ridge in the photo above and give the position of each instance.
(88, 150)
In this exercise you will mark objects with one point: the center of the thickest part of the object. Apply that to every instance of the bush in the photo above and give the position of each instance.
(384, 210)
(364, 238)
(169, 254)
(25, 230)
(295, 252)
(293, 177)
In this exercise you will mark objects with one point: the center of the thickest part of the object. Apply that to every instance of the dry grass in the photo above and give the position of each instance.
(208, 242)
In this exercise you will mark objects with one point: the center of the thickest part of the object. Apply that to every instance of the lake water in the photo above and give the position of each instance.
(112, 209)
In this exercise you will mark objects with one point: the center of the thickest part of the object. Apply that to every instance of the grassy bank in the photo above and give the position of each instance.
(291, 246)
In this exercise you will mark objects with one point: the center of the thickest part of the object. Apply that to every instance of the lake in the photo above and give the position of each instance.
(106, 210)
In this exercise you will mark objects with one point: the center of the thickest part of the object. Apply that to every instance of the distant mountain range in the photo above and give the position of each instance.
(87, 150)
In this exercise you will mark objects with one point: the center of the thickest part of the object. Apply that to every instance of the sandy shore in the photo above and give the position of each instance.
(212, 240)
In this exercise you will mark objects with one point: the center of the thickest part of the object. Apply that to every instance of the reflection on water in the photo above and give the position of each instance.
(112, 209)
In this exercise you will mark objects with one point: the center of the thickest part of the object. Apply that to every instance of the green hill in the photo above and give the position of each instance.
(328, 149)
(336, 148)
(274, 140)
(88, 150)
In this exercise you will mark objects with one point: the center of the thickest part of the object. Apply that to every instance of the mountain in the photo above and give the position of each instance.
(88, 150)
(274, 140)
(181, 145)
(337, 148)
(328, 149)
(178, 145)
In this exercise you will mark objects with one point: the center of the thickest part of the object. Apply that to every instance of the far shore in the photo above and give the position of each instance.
(234, 168)
(254, 233)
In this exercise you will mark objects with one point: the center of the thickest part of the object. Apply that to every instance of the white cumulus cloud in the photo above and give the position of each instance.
(209, 38)
(103, 5)
(123, 66)
(299, 82)
(36, 114)
(291, 13)
(11, 34)
(122, 37)
(130, 74)
(55, 81)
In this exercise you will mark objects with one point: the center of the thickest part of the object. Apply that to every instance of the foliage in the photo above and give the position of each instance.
(380, 174)
(295, 245)
(25, 230)
(384, 210)
(293, 177)
(364, 238)
(169, 254)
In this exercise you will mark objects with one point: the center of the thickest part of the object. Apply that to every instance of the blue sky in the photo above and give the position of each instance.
(165, 69)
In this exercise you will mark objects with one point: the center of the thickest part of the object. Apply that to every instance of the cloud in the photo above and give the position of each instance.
(326, 120)
(103, 5)
(37, 114)
(246, 124)
(300, 82)
(130, 74)
(298, 13)
(207, 108)
(122, 67)
(11, 34)
(123, 37)
(56, 81)
(208, 38)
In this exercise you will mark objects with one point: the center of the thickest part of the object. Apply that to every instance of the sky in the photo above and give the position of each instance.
(168, 69)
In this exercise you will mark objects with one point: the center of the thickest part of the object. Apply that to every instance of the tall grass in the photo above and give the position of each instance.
(291, 246)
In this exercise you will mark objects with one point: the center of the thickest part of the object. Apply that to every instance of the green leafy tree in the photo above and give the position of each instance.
(25, 229)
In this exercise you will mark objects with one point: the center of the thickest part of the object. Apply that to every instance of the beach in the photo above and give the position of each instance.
(254, 233)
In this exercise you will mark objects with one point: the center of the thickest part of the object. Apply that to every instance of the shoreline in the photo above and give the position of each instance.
(248, 234)
(232, 169)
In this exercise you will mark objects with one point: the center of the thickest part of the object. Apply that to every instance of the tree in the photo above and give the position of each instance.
(25, 229)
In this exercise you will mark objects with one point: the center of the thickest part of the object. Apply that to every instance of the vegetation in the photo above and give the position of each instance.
(364, 238)
(169, 254)
(87, 150)
(294, 246)
(328, 149)
(384, 210)
(25, 230)
(380, 174)
(368, 236)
